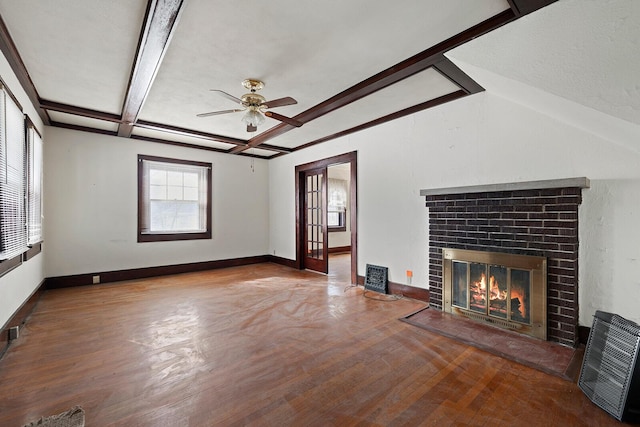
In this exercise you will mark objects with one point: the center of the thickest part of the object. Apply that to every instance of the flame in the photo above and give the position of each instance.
(520, 294)
(494, 289)
(478, 290)
(497, 298)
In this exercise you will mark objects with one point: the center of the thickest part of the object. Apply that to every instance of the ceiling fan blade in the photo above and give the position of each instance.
(228, 96)
(280, 102)
(251, 128)
(215, 113)
(287, 120)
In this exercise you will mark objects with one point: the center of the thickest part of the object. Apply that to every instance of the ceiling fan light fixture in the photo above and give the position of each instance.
(253, 118)
(255, 106)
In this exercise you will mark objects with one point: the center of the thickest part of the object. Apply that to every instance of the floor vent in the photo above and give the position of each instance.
(486, 319)
(376, 279)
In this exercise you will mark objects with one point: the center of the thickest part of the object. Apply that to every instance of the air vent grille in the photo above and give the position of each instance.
(609, 374)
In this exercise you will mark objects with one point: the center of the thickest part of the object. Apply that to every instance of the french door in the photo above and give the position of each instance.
(315, 220)
(312, 243)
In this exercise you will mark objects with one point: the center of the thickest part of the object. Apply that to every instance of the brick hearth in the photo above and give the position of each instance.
(538, 222)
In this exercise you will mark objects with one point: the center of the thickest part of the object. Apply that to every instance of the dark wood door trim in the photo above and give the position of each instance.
(300, 170)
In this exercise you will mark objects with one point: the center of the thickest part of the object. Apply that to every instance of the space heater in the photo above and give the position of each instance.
(609, 374)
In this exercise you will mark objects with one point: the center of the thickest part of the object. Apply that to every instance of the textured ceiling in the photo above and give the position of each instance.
(349, 65)
(582, 51)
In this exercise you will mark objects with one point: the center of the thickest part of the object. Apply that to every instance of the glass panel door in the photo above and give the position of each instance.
(521, 296)
(316, 242)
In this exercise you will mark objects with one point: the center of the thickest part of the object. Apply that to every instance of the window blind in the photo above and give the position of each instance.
(13, 239)
(338, 189)
(34, 186)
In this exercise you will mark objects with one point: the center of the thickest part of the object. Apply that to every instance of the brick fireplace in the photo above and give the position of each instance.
(536, 218)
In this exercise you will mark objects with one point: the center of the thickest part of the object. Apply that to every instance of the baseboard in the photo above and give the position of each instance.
(19, 318)
(143, 273)
(294, 264)
(283, 261)
(404, 290)
(340, 249)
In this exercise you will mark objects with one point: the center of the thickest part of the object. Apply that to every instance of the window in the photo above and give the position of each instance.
(13, 238)
(173, 199)
(34, 186)
(337, 205)
(20, 184)
(336, 220)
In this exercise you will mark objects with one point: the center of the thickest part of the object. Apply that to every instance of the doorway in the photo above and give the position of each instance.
(313, 222)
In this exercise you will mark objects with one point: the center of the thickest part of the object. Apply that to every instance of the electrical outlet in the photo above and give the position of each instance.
(14, 333)
(96, 279)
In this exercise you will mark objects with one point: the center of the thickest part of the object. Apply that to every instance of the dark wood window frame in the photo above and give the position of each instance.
(144, 236)
(342, 219)
(339, 209)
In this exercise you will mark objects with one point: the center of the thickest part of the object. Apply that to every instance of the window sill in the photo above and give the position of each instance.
(9, 264)
(34, 250)
(335, 229)
(167, 237)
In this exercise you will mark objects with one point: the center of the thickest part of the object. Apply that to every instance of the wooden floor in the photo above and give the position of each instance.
(263, 345)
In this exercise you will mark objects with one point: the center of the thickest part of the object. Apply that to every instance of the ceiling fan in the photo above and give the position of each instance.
(256, 106)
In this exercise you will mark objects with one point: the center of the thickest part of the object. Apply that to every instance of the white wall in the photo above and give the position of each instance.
(19, 284)
(91, 206)
(482, 139)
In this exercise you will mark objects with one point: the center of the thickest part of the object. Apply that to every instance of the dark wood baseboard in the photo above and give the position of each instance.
(282, 261)
(20, 317)
(420, 294)
(142, 273)
(294, 264)
(340, 249)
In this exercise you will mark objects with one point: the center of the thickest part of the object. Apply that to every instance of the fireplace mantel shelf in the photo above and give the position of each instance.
(581, 182)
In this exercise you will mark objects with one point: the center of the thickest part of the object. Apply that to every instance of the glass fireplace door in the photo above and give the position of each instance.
(506, 290)
(493, 290)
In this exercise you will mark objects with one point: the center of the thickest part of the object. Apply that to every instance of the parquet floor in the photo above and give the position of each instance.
(263, 345)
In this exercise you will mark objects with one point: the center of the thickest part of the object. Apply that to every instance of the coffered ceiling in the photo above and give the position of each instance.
(145, 69)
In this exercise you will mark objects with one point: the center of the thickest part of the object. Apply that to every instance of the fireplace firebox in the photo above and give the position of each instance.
(507, 290)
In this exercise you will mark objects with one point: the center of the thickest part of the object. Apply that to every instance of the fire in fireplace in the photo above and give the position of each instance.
(507, 290)
(496, 298)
